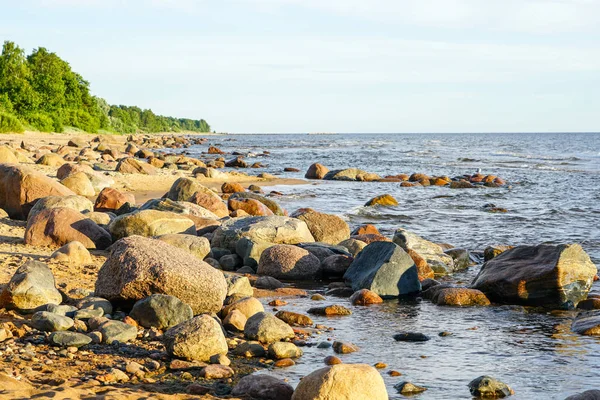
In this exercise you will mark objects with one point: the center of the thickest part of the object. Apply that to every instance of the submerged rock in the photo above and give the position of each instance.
(488, 387)
(385, 269)
(545, 275)
(587, 323)
(385, 200)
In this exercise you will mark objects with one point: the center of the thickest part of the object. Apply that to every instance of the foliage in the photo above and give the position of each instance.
(42, 90)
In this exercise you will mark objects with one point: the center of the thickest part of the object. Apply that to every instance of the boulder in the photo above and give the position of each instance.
(160, 311)
(385, 200)
(111, 199)
(336, 265)
(342, 381)
(281, 350)
(198, 246)
(249, 206)
(73, 253)
(385, 269)
(235, 321)
(247, 306)
(31, 286)
(132, 166)
(183, 189)
(266, 328)
(274, 230)
(289, 262)
(350, 174)
(150, 223)
(191, 210)
(117, 331)
(58, 226)
(51, 160)
(21, 187)
(271, 205)
(77, 203)
(593, 394)
(197, 339)
(50, 322)
(238, 285)
(326, 228)
(365, 297)
(80, 184)
(316, 171)
(366, 229)
(7, 156)
(488, 387)
(545, 275)
(432, 253)
(263, 387)
(210, 201)
(353, 246)
(138, 267)
(461, 297)
(232, 187)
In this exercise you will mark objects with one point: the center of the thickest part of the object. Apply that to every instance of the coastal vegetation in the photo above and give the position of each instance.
(41, 92)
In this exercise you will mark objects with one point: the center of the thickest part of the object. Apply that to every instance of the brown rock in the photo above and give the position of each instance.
(366, 229)
(344, 347)
(216, 371)
(211, 202)
(423, 269)
(316, 171)
(285, 261)
(58, 226)
(332, 360)
(370, 238)
(461, 297)
(250, 206)
(215, 150)
(132, 166)
(326, 228)
(385, 200)
(292, 318)
(330, 310)
(110, 199)
(365, 297)
(232, 187)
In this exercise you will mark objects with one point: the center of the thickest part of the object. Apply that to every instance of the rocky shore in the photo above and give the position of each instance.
(132, 270)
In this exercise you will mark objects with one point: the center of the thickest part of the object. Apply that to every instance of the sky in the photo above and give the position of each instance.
(383, 66)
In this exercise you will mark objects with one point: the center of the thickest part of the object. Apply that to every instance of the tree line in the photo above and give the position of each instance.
(41, 92)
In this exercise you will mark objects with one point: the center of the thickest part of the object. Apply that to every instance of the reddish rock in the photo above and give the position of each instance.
(370, 238)
(232, 187)
(366, 229)
(132, 166)
(250, 206)
(110, 199)
(316, 171)
(56, 227)
(416, 177)
(365, 297)
(215, 150)
(211, 202)
(332, 360)
(461, 297)
(423, 269)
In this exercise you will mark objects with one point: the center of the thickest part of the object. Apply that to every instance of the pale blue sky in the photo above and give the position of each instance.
(332, 65)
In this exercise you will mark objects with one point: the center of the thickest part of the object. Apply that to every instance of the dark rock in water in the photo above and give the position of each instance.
(336, 265)
(428, 283)
(407, 388)
(237, 162)
(384, 268)
(330, 310)
(411, 337)
(593, 394)
(340, 292)
(461, 257)
(344, 347)
(433, 291)
(589, 304)
(160, 311)
(545, 275)
(587, 323)
(488, 387)
(264, 387)
(267, 282)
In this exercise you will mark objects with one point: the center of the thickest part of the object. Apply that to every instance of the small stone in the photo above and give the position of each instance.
(69, 339)
(217, 371)
(317, 297)
(50, 322)
(330, 310)
(96, 337)
(116, 331)
(181, 365)
(411, 337)
(394, 373)
(332, 360)
(280, 350)
(407, 388)
(380, 365)
(344, 347)
(250, 349)
(284, 363)
(277, 303)
(220, 359)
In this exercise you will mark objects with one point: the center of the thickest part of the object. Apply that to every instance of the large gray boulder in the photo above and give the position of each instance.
(150, 223)
(31, 286)
(197, 339)
(284, 261)
(77, 203)
(267, 328)
(160, 311)
(138, 267)
(545, 275)
(272, 229)
(384, 268)
(264, 387)
(432, 253)
(198, 246)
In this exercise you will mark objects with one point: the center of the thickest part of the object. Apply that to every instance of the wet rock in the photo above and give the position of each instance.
(461, 258)
(488, 387)
(50, 322)
(332, 360)
(199, 339)
(342, 381)
(544, 275)
(344, 347)
(461, 184)
(69, 339)
(21, 187)
(266, 328)
(58, 226)
(292, 318)
(263, 387)
(272, 230)
(350, 174)
(589, 304)
(150, 223)
(461, 297)
(325, 228)
(268, 282)
(432, 253)
(587, 323)
(593, 394)
(247, 306)
(316, 171)
(31, 286)
(407, 388)
(385, 200)
(411, 337)
(73, 253)
(330, 310)
(385, 269)
(365, 297)
(199, 247)
(138, 267)
(160, 311)
(280, 350)
(117, 331)
(289, 262)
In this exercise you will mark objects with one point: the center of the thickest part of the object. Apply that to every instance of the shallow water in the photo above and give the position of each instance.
(553, 197)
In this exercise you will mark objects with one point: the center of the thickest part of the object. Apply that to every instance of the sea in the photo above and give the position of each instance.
(552, 196)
